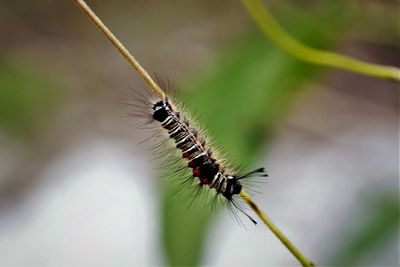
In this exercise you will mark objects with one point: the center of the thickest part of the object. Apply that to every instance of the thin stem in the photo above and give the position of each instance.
(273, 30)
(121, 48)
(159, 92)
(275, 230)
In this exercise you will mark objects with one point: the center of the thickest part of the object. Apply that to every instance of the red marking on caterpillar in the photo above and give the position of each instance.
(193, 148)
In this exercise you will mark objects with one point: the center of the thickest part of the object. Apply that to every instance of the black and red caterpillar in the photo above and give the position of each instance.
(203, 165)
(200, 159)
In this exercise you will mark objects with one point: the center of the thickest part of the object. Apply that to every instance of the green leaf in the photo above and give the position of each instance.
(377, 229)
(241, 98)
(26, 99)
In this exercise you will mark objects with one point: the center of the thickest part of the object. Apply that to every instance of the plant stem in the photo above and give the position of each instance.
(273, 30)
(121, 48)
(275, 230)
(159, 92)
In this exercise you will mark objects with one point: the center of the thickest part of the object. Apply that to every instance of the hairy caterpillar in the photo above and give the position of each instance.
(163, 105)
(204, 166)
(208, 169)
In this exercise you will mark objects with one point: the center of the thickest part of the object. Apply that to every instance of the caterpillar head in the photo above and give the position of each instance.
(233, 187)
(161, 110)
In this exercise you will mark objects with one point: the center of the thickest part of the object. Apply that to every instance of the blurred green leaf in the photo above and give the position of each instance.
(370, 233)
(25, 99)
(242, 98)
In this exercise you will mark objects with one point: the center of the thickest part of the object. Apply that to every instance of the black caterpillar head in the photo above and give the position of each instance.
(162, 110)
(233, 187)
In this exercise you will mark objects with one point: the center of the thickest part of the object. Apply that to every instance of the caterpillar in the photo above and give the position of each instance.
(201, 161)
(203, 164)
(193, 147)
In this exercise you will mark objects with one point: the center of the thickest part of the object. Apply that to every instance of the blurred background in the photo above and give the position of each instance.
(77, 188)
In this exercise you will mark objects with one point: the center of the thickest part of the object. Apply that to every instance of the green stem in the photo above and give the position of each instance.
(277, 34)
(275, 230)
